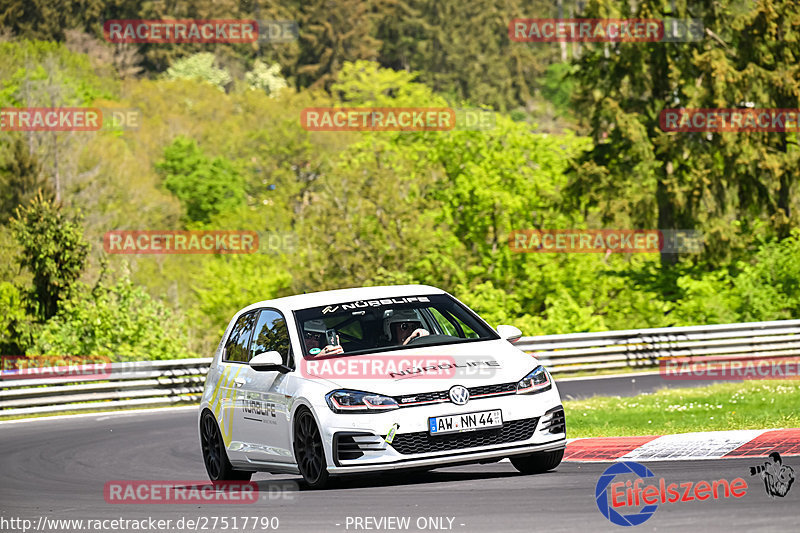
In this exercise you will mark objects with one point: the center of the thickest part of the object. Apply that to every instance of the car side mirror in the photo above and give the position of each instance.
(510, 333)
(269, 362)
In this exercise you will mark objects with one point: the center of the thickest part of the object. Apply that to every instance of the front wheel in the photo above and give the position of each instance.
(218, 466)
(308, 450)
(536, 463)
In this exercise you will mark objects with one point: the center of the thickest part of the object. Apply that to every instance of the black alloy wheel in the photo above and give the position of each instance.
(218, 466)
(309, 451)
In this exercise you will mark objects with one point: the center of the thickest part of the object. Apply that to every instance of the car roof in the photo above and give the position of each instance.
(315, 299)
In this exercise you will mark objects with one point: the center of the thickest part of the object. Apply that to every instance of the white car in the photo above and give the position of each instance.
(373, 379)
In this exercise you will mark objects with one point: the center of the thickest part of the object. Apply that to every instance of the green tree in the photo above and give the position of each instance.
(639, 175)
(20, 179)
(199, 67)
(117, 320)
(265, 78)
(17, 327)
(205, 186)
(54, 250)
(330, 36)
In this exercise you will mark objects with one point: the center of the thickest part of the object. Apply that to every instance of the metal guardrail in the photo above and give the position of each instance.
(645, 348)
(180, 381)
(108, 386)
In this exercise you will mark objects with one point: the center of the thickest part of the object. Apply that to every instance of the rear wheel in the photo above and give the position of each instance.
(309, 451)
(218, 466)
(536, 463)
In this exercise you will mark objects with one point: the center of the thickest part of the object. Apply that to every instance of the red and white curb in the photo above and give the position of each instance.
(686, 446)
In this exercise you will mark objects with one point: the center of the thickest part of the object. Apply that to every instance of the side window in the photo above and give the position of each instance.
(446, 325)
(238, 343)
(272, 334)
(468, 332)
(452, 325)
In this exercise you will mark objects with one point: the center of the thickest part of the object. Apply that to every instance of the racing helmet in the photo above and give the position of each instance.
(314, 333)
(398, 324)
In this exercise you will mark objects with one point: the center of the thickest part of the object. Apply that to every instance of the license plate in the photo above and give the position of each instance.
(441, 425)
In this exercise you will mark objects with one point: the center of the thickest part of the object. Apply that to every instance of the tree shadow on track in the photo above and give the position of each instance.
(391, 479)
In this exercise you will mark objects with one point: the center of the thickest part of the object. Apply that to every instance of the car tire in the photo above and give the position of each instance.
(536, 463)
(309, 451)
(215, 457)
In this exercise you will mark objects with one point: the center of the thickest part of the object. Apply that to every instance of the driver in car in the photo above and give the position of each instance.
(314, 337)
(403, 325)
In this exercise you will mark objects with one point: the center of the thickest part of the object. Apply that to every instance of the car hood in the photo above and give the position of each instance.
(424, 369)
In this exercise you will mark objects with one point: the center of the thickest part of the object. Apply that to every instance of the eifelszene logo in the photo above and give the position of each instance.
(633, 492)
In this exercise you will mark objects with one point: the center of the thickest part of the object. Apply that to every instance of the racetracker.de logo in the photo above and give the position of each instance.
(378, 119)
(181, 31)
(604, 241)
(730, 120)
(50, 119)
(711, 367)
(13, 367)
(180, 492)
(585, 30)
(631, 494)
(180, 242)
(398, 367)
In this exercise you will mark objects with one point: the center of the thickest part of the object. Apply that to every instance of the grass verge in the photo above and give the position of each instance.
(744, 405)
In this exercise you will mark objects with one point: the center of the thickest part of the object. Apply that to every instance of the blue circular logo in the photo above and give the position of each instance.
(314, 351)
(601, 494)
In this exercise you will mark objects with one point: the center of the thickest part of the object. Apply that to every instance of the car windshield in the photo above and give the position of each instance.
(369, 326)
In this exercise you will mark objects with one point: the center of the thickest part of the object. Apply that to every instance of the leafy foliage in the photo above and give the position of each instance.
(204, 186)
(368, 208)
(53, 250)
(199, 67)
(120, 321)
(265, 78)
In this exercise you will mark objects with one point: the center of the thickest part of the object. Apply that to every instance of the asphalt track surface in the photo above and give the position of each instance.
(58, 469)
(623, 385)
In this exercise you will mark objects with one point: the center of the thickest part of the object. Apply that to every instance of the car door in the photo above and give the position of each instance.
(233, 373)
(265, 401)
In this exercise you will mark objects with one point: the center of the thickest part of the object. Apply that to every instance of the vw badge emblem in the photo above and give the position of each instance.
(459, 395)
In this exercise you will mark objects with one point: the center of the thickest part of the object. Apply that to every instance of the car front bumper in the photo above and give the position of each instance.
(356, 442)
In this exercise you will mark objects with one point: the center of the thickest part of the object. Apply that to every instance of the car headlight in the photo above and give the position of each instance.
(352, 401)
(537, 381)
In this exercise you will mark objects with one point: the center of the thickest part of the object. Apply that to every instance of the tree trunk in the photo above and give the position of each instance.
(666, 218)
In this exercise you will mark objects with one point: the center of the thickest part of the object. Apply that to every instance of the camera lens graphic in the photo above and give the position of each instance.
(601, 494)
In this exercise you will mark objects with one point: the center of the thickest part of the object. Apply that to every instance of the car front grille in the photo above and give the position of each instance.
(348, 446)
(554, 421)
(423, 442)
(485, 390)
(411, 400)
